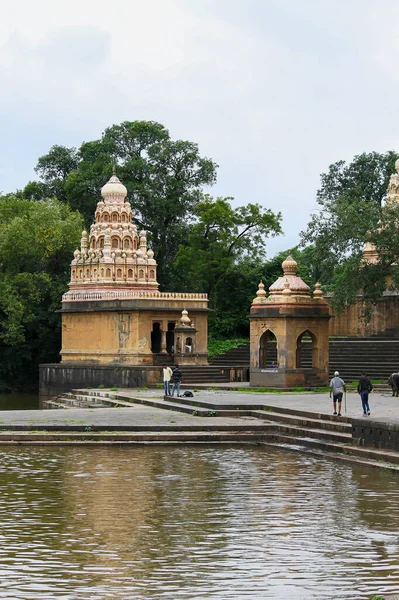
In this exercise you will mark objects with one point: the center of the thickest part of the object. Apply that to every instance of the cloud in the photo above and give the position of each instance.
(274, 92)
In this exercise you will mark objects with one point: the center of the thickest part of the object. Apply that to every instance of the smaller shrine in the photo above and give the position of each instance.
(289, 331)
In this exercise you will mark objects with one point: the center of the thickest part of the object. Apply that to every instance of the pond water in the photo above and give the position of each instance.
(194, 522)
(19, 401)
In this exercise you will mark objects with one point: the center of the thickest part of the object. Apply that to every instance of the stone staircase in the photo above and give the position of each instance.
(283, 427)
(377, 356)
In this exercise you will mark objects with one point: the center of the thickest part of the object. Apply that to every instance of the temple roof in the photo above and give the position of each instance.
(114, 189)
(289, 281)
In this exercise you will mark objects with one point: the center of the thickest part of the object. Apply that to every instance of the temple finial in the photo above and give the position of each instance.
(113, 170)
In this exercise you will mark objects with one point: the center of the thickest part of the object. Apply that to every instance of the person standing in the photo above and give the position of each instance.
(364, 387)
(337, 387)
(176, 380)
(167, 374)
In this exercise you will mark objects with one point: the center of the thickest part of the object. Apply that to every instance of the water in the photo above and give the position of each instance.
(19, 401)
(194, 523)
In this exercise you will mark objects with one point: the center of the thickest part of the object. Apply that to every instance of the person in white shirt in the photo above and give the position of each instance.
(337, 387)
(167, 374)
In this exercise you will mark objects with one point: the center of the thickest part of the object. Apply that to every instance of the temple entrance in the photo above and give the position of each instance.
(170, 338)
(306, 350)
(267, 350)
(156, 338)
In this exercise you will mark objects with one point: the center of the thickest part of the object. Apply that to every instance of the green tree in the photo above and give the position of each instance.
(350, 213)
(222, 255)
(164, 179)
(36, 244)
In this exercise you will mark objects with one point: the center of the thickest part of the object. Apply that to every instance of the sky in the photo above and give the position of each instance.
(274, 91)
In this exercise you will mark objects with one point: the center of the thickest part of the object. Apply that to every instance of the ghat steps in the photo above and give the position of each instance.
(281, 427)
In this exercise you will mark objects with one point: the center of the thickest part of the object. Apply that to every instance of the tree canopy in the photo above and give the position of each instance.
(164, 178)
(36, 243)
(352, 211)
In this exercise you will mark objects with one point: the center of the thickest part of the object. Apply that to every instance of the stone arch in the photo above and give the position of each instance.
(123, 218)
(130, 274)
(306, 350)
(267, 349)
(115, 217)
(126, 243)
(105, 217)
(135, 244)
(152, 274)
(141, 274)
(115, 242)
(119, 273)
(108, 273)
(100, 242)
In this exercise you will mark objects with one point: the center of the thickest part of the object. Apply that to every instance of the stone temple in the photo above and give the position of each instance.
(117, 328)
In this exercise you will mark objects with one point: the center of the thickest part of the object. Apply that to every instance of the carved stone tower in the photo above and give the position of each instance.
(289, 333)
(115, 255)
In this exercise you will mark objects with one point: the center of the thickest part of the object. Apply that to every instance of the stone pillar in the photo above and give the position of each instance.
(163, 342)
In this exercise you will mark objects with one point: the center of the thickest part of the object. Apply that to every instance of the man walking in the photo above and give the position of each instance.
(337, 387)
(176, 380)
(167, 374)
(364, 387)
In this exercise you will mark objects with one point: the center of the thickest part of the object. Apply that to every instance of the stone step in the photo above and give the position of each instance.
(313, 423)
(369, 456)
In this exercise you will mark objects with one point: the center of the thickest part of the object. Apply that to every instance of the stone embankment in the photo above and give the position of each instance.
(294, 421)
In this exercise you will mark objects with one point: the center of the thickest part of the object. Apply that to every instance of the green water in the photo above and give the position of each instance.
(19, 401)
(171, 522)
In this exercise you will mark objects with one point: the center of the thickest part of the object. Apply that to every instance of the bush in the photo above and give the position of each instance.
(216, 347)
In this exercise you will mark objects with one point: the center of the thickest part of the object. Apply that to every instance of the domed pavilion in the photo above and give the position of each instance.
(289, 331)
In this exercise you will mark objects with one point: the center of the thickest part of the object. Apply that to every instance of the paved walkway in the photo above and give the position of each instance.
(384, 408)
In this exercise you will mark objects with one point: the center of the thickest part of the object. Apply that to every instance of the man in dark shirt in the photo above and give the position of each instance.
(176, 380)
(364, 387)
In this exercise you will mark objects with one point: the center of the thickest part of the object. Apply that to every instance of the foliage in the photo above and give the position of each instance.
(222, 236)
(351, 213)
(164, 179)
(222, 256)
(36, 242)
(216, 347)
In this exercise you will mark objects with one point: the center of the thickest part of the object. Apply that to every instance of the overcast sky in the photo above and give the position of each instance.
(273, 90)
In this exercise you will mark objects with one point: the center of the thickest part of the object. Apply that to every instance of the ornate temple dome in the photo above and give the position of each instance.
(114, 189)
(114, 255)
(289, 283)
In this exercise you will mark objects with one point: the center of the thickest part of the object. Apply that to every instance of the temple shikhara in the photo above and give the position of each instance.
(113, 314)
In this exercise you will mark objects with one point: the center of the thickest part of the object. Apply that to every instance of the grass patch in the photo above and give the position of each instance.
(216, 347)
(114, 389)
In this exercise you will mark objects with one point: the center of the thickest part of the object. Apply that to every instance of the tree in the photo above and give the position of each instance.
(164, 179)
(37, 240)
(351, 212)
(223, 253)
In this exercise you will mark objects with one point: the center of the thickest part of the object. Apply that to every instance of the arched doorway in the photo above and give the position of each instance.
(156, 337)
(267, 350)
(306, 350)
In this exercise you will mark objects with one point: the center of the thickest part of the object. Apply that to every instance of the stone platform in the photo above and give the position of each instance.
(301, 422)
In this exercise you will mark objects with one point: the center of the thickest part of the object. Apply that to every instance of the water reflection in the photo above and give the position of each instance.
(192, 522)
